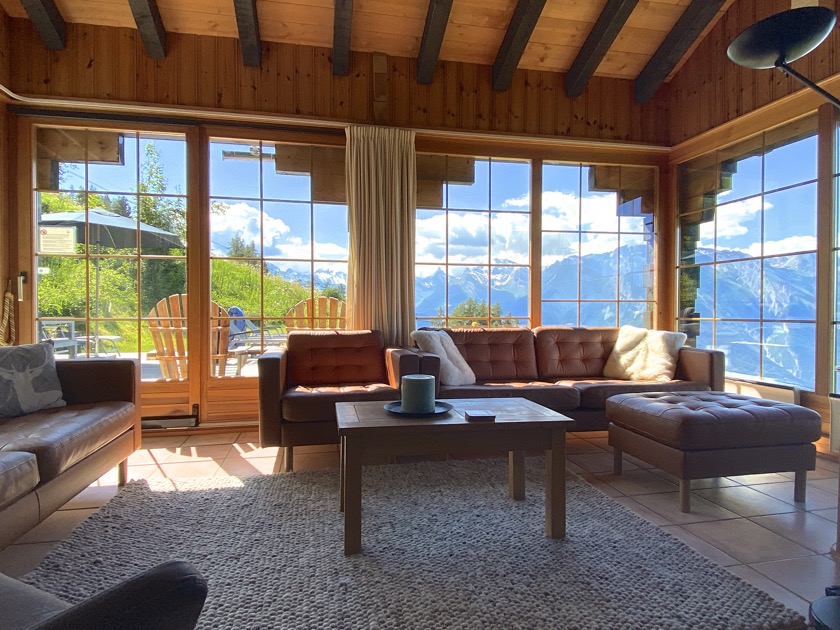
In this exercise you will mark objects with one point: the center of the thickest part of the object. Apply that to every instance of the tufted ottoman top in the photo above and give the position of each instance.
(693, 421)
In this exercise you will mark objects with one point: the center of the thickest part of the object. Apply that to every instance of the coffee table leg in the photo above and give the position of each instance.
(516, 475)
(341, 473)
(555, 485)
(352, 496)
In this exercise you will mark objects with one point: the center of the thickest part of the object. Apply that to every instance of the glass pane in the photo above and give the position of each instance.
(790, 287)
(113, 163)
(468, 190)
(510, 185)
(287, 172)
(109, 338)
(287, 230)
(469, 237)
(738, 287)
(235, 228)
(287, 284)
(429, 291)
(739, 173)
(235, 169)
(560, 266)
(740, 342)
(791, 163)
(638, 314)
(163, 165)
(598, 314)
(599, 206)
(430, 236)
(790, 220)
(788, 354)
(61, 286)
(739, 229)
(836, 358)
(160, 278)
(697, 238)
(236, 283)
(697, 291)
(560, 313)
(467, 295)
(598, 267)
(509, 293)
(163, 225)
(561, 197)
(113, 290)
(635, 267)
(330, 230)
(331, 279)
(510, 238)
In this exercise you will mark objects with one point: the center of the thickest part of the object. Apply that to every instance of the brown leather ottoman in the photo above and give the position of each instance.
(695, 435)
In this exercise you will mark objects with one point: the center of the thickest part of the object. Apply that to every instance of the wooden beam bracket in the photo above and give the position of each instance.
(150, 25)
(249, 32)
(48, 22)
(516, 38)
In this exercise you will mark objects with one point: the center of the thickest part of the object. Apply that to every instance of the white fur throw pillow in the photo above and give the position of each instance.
(454, 369)
(644, 355)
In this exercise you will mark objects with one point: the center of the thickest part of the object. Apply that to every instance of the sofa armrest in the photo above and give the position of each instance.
(169, 596)
(429, 364)
(398, 363)
(703, 366)
(86, 381)
(271, 368)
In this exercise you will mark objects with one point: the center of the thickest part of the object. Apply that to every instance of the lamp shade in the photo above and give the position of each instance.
(782, 38)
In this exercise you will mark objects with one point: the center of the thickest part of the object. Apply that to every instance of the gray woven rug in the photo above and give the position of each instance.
(443, 547)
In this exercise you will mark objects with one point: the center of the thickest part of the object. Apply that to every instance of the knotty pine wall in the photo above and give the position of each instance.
(110, 64)
(5, 231)
(710, 90)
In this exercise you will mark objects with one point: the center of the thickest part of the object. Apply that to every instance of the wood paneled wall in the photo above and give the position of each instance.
(5, 157)
(109, 64)
(710, 90)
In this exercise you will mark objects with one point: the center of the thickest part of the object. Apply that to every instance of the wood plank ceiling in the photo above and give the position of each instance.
(642, 40)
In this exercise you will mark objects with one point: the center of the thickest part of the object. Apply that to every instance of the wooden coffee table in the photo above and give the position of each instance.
(369, 433)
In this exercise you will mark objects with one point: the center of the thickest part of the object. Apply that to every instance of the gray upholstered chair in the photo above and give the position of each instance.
(169, 596)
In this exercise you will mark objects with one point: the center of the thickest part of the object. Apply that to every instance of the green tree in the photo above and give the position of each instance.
(471, 312)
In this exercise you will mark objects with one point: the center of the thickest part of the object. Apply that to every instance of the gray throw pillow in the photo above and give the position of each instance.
(28, 379)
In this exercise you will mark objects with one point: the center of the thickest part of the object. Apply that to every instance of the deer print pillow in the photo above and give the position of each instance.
(28, 380)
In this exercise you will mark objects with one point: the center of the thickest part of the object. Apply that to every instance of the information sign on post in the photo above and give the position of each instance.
(57, 239)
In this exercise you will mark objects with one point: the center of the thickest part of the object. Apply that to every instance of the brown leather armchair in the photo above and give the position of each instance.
(300, 384)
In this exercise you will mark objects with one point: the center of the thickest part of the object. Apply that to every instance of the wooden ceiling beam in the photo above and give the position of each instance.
(249, 32)
(600, 38)
(519, 31)
(48, 22)
(150, 25)
(694, 19)
(341, 36)
(436, 21)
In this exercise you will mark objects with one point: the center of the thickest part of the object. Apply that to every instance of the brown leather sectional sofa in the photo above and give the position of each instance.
(562, 368)
(300, 384)
(48, 457)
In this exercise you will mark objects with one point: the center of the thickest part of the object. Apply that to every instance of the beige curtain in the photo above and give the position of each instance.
(381, 197)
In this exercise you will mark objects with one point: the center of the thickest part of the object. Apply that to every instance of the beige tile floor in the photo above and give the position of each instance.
(748, 524)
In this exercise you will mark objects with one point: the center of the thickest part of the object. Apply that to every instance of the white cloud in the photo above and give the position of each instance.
(732, 217)
(243, 219)
(597, 211)
(785, 246)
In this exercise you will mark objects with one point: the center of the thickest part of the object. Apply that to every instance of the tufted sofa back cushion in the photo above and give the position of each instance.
(335, 357)
(498, 354)
(564, 352)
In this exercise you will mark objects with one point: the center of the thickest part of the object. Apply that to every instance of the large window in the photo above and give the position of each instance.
(747, 266)
(472, 244)
(597, 245)
(111, 222)
(278, 232)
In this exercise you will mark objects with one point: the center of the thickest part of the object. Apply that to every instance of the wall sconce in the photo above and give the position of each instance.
(780, 39)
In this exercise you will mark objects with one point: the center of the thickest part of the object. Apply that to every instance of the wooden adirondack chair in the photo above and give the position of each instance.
(320, 312)
(168, 325)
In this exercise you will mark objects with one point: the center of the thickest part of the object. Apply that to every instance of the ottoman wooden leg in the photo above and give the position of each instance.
(685, 495)
(288, 459)
(616, 461)
(799, 480)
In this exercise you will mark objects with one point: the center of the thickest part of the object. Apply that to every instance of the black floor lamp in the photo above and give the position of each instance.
(783, 38)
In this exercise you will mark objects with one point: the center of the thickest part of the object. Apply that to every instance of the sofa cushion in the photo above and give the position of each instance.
(498, 354)
(594, 392)
(60, 438)
(315, 404)
(640, 354)
(28, 379)
(18, 475)
(714, 420)
(564, 352)
(556, 397)
(332, 357)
